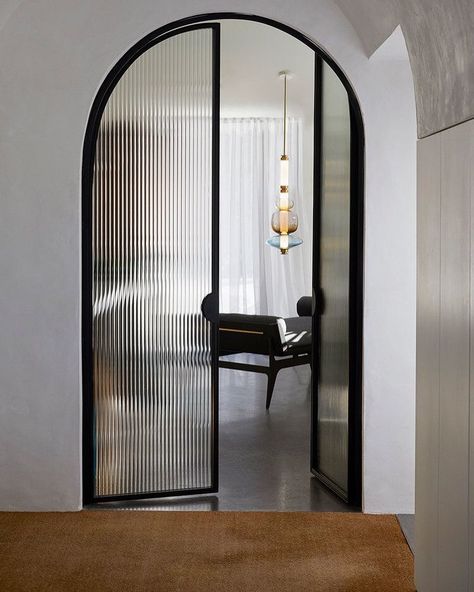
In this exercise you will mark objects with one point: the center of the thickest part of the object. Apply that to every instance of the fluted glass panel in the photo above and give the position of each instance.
(152, 247)
(333, 391)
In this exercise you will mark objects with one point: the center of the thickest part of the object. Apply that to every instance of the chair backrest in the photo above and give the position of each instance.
(253, 334)
(304, 306)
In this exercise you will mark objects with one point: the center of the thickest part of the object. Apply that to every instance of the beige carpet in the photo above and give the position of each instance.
(203, 551)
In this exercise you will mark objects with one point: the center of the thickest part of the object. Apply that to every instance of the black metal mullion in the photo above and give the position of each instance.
(317, 189)
(216, 43)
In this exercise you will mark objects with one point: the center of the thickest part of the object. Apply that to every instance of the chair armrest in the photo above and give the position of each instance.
(251, 333)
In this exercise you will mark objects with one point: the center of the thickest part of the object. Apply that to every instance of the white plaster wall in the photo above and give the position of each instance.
(53, 56)
(390, 291)
(374, 21)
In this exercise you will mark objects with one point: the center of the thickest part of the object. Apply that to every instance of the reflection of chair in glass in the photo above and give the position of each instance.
(287, 342)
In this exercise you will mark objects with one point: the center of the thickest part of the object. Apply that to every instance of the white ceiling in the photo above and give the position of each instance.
(251, 57)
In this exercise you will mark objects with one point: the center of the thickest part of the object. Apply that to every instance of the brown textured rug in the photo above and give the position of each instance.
(124, 551)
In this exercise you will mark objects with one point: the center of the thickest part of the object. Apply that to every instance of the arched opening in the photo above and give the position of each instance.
(139, 355)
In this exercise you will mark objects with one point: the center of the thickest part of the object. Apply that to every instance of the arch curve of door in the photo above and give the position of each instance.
(354, 492)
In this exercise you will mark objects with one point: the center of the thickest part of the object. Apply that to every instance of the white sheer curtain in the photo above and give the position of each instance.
(254, 277)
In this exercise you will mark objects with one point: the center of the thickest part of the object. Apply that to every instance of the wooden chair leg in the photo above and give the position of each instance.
(270, 385)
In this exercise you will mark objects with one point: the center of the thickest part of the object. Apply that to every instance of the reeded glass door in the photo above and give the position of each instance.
(332, 459)
(154, 259)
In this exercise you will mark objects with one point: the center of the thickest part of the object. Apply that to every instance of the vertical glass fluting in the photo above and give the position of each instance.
(333, 391)
(152, 251)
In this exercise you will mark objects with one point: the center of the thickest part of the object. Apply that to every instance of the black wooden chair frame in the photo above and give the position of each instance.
(276, 362)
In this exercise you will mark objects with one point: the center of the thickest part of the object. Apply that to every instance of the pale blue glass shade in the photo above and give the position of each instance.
(293, 241)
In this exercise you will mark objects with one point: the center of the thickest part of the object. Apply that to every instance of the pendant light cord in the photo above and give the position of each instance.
(285, 98)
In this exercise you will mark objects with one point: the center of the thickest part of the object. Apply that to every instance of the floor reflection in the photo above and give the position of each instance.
(205, 503)
(264, 455)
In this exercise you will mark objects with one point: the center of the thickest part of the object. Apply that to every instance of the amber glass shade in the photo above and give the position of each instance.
(286, 222)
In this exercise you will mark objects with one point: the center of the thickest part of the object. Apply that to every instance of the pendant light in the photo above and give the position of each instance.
(284, 221)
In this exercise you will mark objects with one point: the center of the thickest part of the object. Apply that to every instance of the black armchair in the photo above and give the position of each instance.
(287, 342)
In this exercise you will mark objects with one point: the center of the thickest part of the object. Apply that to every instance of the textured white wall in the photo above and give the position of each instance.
(390, 294)
(54, 55)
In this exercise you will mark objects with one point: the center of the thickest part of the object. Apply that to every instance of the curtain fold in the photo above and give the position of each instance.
(254, 277)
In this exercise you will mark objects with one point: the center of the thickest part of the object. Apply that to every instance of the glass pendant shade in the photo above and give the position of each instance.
(284, 222)
(283, 202)
(284, 242)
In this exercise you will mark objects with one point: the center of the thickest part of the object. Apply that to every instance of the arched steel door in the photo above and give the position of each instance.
(154, 224)
(337, 320)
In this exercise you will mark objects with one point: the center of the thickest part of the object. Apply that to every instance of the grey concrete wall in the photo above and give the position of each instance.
(440, 40)
(445, 363)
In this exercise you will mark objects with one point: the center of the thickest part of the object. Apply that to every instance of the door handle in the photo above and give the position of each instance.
(318, 303)
(210, 307)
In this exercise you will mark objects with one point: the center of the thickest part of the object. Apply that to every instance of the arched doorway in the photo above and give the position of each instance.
(150, 257)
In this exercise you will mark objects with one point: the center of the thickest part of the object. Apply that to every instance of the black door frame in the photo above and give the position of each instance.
(354, 494)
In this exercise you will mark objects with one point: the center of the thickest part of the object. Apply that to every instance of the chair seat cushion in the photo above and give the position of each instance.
(249, 333)
(297, 335)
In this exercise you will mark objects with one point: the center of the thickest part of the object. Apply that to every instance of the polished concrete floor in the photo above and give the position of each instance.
(264, 462)
(264, 455)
